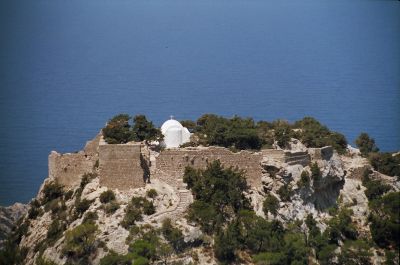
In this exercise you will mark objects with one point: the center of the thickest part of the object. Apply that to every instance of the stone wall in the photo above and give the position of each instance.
(291, 158)
(171, 163)
(68, 169)
(120, 166)
(323, 153)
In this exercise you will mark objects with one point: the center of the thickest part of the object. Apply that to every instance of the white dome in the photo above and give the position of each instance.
(170, 124)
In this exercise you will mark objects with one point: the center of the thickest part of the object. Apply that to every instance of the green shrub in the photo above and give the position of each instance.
(316, 175)
(285, 192)
(314, 134)
(152, 193)
(86, 179)
(80, 241)
(111, 207)
(148, 208)
(55, 231)
(385, 220)
(271, 205)
(143, 129)
(366, 144)
(304, 179)
(68, 195)
(173, 235)
(236, 132)
(132, 214)
(117, 130)
(143, 248)
(115, 259)
(218, 193)
(51, 191)
(90, 217)
(82, 205)
(385, 163)
(355, 252)
(34, 210)
(107, 196)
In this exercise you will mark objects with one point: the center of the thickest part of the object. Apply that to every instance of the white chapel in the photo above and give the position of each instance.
(174, 133)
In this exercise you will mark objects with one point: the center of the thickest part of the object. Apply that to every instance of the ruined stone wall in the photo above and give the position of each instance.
(68, 169)
(323, 153)
(120, 166)
(291, 158)
(171, 163)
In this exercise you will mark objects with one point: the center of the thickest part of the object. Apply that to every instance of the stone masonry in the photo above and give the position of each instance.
(171, 163)
(120, 166)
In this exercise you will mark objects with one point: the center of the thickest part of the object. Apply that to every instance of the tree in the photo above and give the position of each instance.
(315, 174)
(144, 130)
(304, 179)
(385, 163)
(271, 205)
(355, 253)
(173, 235)
(366, 144)
(117, 130)
(80, 241)
(283, 133)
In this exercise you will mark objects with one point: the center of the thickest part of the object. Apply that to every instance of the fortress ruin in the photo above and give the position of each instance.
(126, 166)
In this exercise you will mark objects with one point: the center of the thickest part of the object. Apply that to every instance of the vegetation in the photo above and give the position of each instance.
(304, 181)
(173, 235)
(386, 163)
(271, 205)
(80, 242)
(119, 130)
(135, 209)
(218, 194)
(52, 190)
(152, 193)
(314, 134)
(285, 192)
(107, 196)
(366, 144)
(238, 133)
(315, 174)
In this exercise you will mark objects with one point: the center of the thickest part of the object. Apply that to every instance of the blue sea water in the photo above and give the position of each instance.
(66, 67)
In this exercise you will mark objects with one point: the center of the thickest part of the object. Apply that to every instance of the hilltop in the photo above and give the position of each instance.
(240, 192)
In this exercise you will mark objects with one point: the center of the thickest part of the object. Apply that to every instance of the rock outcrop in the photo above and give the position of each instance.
(8, 217)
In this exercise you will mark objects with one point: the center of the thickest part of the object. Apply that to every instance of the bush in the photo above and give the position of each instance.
(82, 205)
(304, 179)
(148, 208)
(90, 217)
(315, 175)
(366, 144)
(314, 134)
(107, 196)
(236, 132)
(355, 252)
(111, 207)
(283, 133)
(115, 259)
(385, 163)
(34, 210)
(80, 241)
(285, 192)
(55, 231)
(271, 205)
(51, 191)
(42, 261)
(144, 129)
(132, 214)
(173, 235)
(152, 193)
(86, 179)
(385, 220)
(117, 130)
(218, 192)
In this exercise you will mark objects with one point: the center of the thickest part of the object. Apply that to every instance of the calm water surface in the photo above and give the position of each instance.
(68, 66)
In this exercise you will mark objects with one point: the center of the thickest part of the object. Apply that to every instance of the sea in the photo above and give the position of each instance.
(66, 67)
